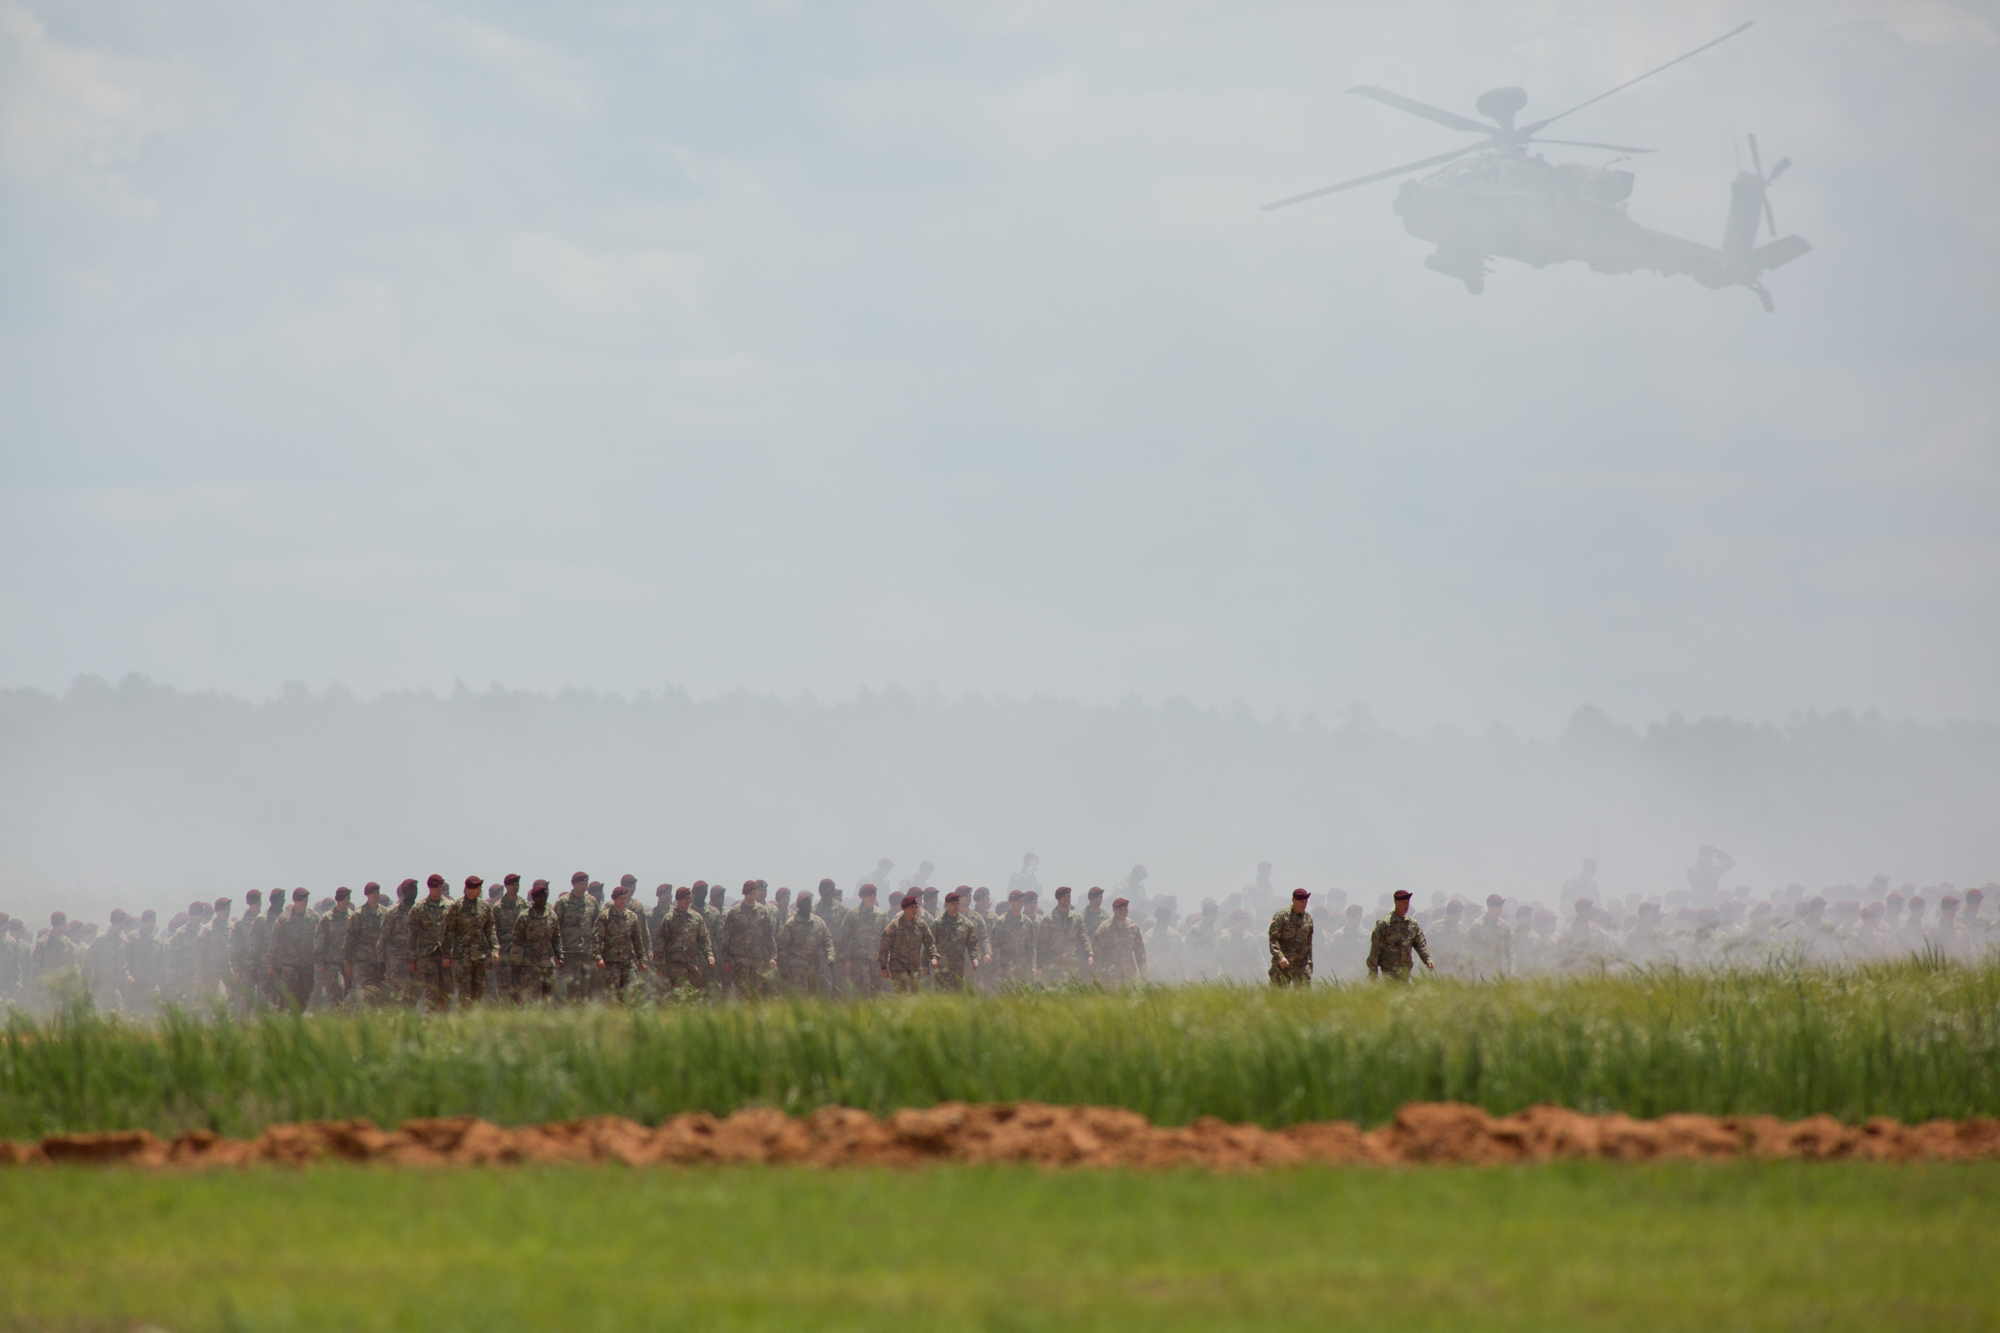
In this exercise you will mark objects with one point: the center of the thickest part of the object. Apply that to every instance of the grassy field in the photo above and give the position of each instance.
(1752, 1247)
(1904, 1040)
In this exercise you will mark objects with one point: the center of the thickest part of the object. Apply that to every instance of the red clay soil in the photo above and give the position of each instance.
(1086, 1136)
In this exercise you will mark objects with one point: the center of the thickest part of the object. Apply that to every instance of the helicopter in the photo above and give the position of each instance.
(1496, 198)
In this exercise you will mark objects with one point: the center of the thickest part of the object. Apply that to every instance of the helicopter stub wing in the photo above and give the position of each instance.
(1777, 254)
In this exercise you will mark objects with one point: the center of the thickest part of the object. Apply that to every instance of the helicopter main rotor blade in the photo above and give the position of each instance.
(1540, 124)
(1424, 109)
(1756, 161)
(1768, 218)
(1579, 143)
(1403, 170)
(1784, 165)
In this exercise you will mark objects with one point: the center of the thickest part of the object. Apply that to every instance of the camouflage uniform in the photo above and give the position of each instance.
(1489, 949)
(855, 947)
(1394, 939)
(361, 949)
(576, 915)
(960, 940)
(1062, 945)
(682, 948)
(1291, 938)
(399, 980)
(908, 950)
(330, 951)
(749, 943)
(428, 945)
(1121, 952)
(145, 963)
(621, 943)
(213, 968)
(536, 949)
(1198, 944)
(472, 935)
(1013, 948)
(505, 913)
(104, 967)
(288, 958)
(805, 950)
(183, 948)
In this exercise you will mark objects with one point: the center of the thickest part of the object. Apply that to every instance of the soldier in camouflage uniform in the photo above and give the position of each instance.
(750, 944)
(1012, 944)
(908, 951)
(361, 944)
(471, 941)
(831, 910)
(1489, 943)
(145, 964)
(1120, 947)
(1062, 946)
(430, 976)
(1291, 939)
(505, 913)
(961, 942)
(682, 948)
(620, 942)
(267, 982)
(856, 945)
(536, 948)
(183, 952)
(104, 962)
(1395, 938)
(399, 974)
(289, 952)
(1094, 917)
(330, 948)
(576, 914)
(1198, 944)
(212, 960)
(805, 950)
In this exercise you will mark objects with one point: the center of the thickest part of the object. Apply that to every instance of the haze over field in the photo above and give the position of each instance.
(840, 349)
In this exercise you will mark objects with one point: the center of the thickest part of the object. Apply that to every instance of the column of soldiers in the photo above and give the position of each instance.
(488, 945)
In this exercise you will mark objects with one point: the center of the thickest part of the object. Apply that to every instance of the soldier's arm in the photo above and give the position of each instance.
(1374, 950)
(1139, 952)
(1418, 943)
(492, 940)
(1277, 950)
(882, 952)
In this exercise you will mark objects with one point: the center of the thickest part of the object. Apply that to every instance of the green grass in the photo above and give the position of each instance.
(1905, 1040)
(1761, 1247)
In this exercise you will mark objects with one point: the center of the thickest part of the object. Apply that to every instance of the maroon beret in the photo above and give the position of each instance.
(434, 882)
(1402, 893)
(1300, 895)
(1117, 903)
(300, 895)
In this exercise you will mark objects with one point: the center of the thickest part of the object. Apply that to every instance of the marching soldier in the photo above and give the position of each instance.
(505, 913)
(399, 972)
(536, 948)
(855, 949)
(961, 943)
(361, 948)
(336, 978)
(1063, 949)
(1396, 937)
(1291, 936)
(472, 940)
(621, 942)
(750, 944)
(430, 974)
(685, 953)
(805, 949)
(1013, 944)
(288, 957)
(576, 914)
(908, 951)
(1120, 946)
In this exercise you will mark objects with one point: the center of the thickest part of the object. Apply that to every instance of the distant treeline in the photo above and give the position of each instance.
(138, 794)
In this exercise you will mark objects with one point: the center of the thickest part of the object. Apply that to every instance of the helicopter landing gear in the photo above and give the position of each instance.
(1465, 265)
(1770, 306)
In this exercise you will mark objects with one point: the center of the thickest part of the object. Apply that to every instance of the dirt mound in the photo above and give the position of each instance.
(1093, 1136)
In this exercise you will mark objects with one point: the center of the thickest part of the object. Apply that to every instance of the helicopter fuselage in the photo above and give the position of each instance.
(1515, 205)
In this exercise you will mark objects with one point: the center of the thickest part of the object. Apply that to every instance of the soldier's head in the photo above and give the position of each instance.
(981, 895)
(578, 884)
(684, 896)
(274, 904)
(1354, 912)
(406, 892)
(785, 899)
(1973, 899)
(1583, 909)
(1454, 909)
(629, 883)
(253, 901)
(1120, 907)
(749, 890)
(299, 899)
(1094, 897)
(1494, 902)
(1402, 903)
(1211, 909)
(663, 894)
(343, 895)
(18, 928)
(474, 887)
(220, 907)
(595, 889)
(1063, 896)
(805, 904)
(538, 894)
(435, 886)
(1299, 900)
(512, 886)
(953, 904)
(620, 896)
(1031, 902)
(149, 920)
(930, 899)
(1029, 861)
(1014, 900)
(717, 896)
(1947, 907)
(867, 894)
(911, 902)
(827, 890)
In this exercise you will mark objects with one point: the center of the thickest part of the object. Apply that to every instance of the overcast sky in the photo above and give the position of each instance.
(795, 347)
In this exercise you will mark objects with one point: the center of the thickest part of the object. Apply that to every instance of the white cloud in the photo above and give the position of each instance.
(72, 117)
(608, 282)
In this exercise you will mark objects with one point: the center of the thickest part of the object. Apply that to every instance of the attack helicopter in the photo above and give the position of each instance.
(1496, 198)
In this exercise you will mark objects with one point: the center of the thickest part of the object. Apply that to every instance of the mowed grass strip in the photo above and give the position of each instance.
(1909, 1040)
(1771, 1246)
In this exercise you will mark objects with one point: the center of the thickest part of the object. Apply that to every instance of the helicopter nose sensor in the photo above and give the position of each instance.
(1501, 104)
